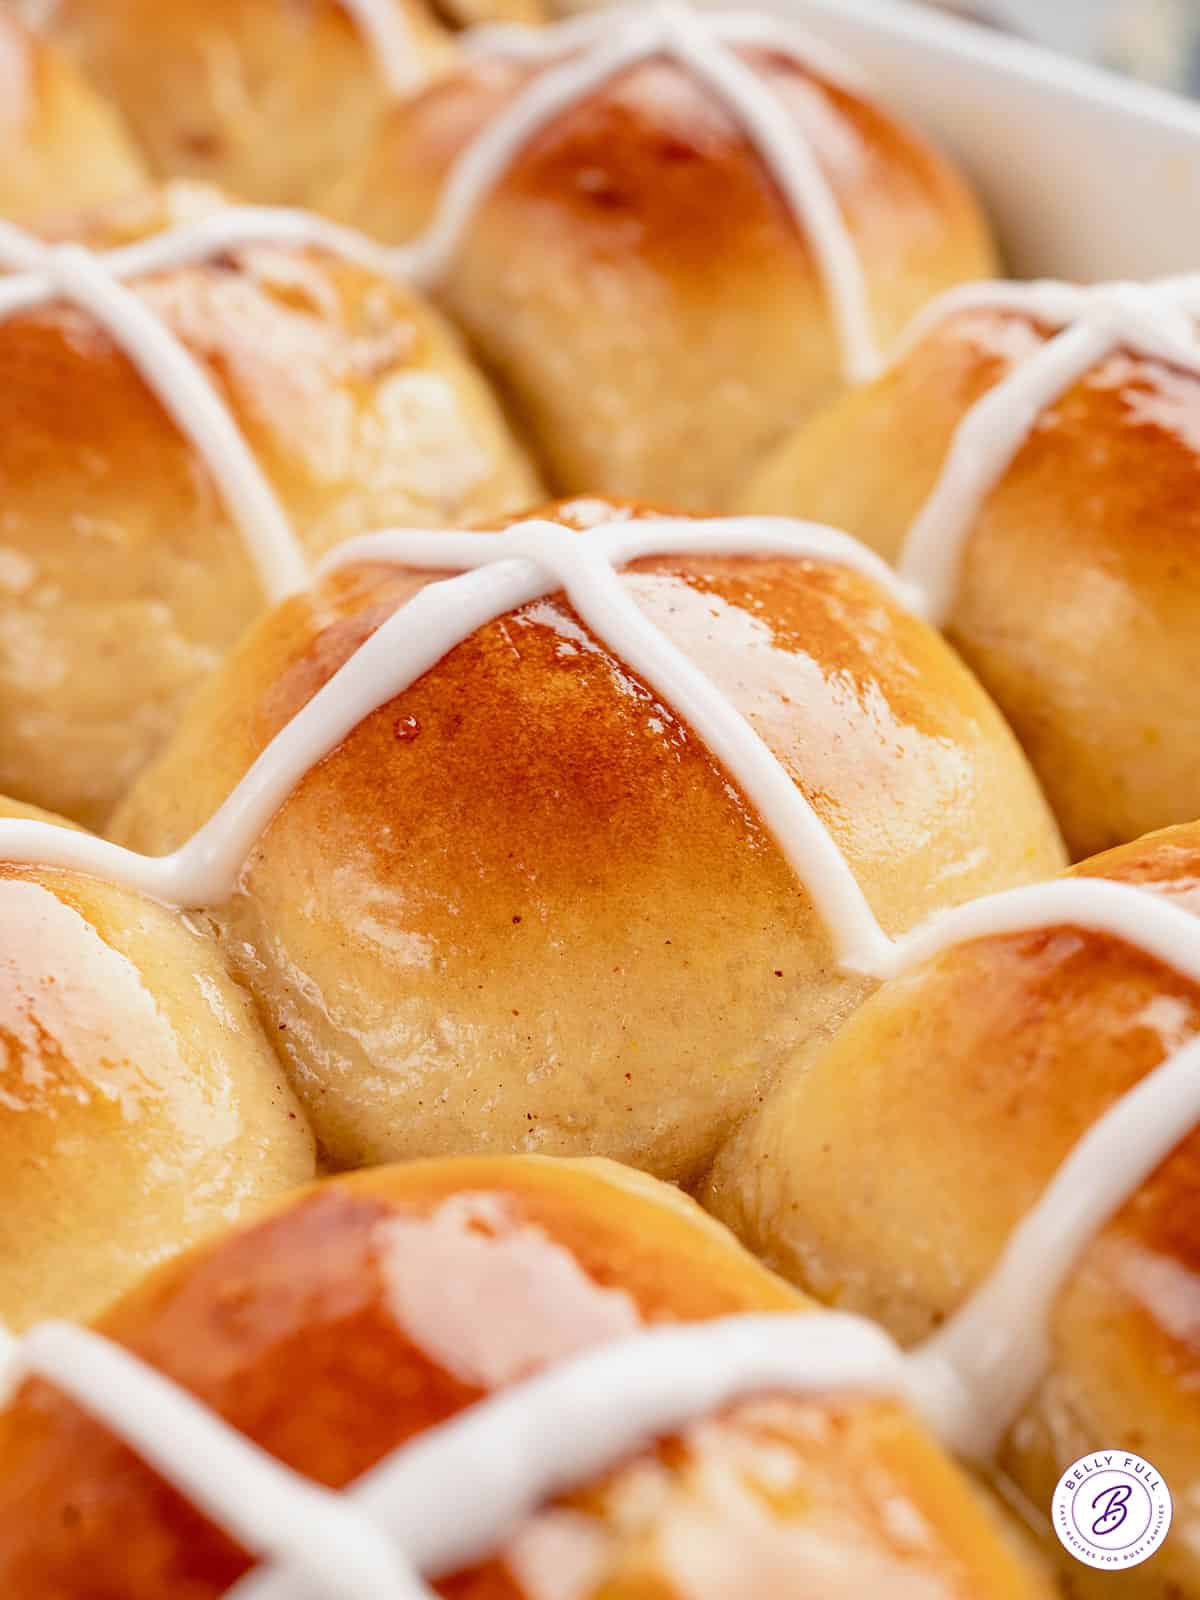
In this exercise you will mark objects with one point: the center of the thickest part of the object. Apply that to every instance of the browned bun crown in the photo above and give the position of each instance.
(1079, 595)
(123, 577)
(522, 907)
(63, 147)
(140, 1104)
(886, 1172)
(268, 98)
(636, 280)
(372, 1309)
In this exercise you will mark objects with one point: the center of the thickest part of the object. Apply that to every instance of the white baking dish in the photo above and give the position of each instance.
(1086, 176)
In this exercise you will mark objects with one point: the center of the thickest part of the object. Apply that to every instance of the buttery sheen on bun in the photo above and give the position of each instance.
(177, 440)
(368, 1319)
(140, 1103)
(1031, 460)
(1013, 1123)
(670, 235)
(522, 903)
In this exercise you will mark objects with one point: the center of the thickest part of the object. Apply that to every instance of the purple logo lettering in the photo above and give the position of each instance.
(1114, 1504)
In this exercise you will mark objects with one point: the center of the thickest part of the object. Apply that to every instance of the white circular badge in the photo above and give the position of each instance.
(1111, 1510)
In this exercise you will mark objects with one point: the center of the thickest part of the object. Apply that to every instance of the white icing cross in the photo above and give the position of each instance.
(96, 283)
(454, 1495)
(499, 572)
(968, 1382)
(585, 53)
(1154, 320)
(272, 1512)
(504, 1457)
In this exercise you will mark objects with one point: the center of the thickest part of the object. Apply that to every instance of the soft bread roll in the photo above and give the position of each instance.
(522, 907)
(1079, 595)
(636, 280)
(268, 98)
(371, 1309)
(140, 1104)
(886, 1172)
(63, 147)
(271, 99)
(123, 576)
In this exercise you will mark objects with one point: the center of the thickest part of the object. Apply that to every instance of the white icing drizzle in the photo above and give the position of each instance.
(387, 31)
(583, 54)
(451, 1497)
(19, 251)
(95, 282)
(447, 1499)
(192, 402)
(500, 1461)
(973, 1377)
(1091, 323)
(584, 568)
(454, 1495)
(499, 572)
(270, 1510)
(975, 1374)
(1154, 925)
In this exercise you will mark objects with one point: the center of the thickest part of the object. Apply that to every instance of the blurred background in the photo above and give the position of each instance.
(1155, 39)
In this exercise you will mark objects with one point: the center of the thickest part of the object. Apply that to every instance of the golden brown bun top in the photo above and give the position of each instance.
(637, 262)
(1125, 436)
(140, 1103)
(832, 652)
(584, 938)
(656, 166)
(63, 147)
(888, 1171)
(1021, 1042)
(1079, 585)
(269, 98)
(125, 575)
(373, 1308)
(356, 396)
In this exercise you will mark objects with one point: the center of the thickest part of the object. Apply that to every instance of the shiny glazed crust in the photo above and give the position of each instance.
(638, 262)
(1079, 592)
(373, 1308)
(140, 1104)
(527, 890)
(123, 580)
(885, 1173)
